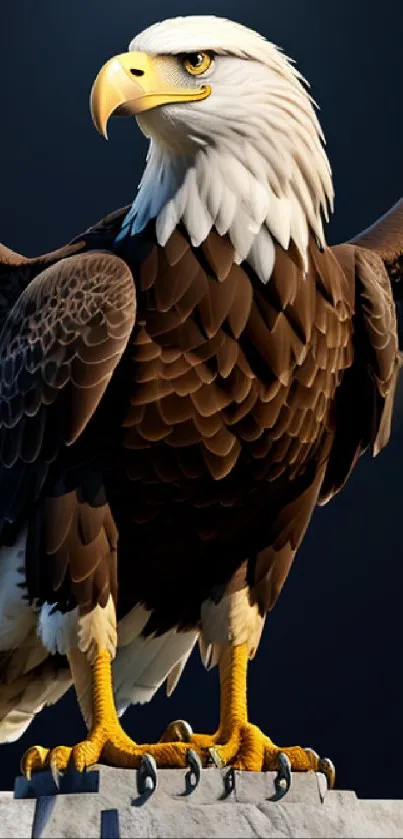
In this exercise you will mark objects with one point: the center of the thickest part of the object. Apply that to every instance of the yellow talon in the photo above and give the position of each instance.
(33, 760)
(107, 741)
(237, 742)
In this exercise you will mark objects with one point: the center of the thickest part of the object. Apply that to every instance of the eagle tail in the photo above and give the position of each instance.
(143, 663)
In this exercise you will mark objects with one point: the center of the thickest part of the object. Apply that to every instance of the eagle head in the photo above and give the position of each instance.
(235, 142)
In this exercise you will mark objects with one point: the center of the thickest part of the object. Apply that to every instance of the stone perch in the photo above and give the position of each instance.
(105, 803)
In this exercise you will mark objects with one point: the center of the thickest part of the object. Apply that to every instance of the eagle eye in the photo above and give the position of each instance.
(197, 63)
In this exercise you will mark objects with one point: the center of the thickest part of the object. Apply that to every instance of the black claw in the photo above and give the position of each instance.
(195, 765)
(283, 777)
(56, 774)
(229, 781)
(147, 775)
(216, 758)
(327, 767)
(182, 730)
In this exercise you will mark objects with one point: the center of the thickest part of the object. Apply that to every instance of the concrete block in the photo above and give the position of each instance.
(16, 817)
(42, 783)
(106, 804)
(67, 816)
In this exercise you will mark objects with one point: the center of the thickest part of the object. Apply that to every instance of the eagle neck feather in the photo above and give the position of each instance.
(211, 189)
(252, 191)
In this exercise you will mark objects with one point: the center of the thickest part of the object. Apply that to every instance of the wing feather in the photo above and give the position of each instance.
(62, 340)
(365, 398)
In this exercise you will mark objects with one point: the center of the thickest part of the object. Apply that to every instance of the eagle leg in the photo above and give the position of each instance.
(238, 742)
(107, 742)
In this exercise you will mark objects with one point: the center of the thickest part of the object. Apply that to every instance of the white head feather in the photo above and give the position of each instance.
(248, 160)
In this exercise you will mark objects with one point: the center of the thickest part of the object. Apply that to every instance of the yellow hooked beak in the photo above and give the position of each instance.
(129, 84)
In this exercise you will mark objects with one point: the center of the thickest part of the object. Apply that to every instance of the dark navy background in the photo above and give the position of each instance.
(328, 670)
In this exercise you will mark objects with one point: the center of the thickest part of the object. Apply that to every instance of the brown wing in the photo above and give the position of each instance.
(385, 237)
(17, 271)
(384, 240)
(69, 327)
(372, 264)
(59, 347)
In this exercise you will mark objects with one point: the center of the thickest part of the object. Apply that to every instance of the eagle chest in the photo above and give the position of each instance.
(223, 373)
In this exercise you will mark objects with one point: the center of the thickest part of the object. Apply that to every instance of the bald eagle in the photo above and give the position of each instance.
(180, 386)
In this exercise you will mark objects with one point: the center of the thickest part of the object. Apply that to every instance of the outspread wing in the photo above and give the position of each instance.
(59, 347)
(385, 238)
(60, 343)
(373, 264)
(17, 271)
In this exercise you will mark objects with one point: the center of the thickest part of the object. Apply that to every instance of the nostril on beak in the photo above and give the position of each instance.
(137, 72)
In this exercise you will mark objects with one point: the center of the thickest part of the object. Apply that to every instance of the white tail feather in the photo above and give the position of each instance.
(144, 663)
(175, 674)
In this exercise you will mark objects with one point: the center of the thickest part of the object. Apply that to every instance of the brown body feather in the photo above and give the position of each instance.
(202, 433)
